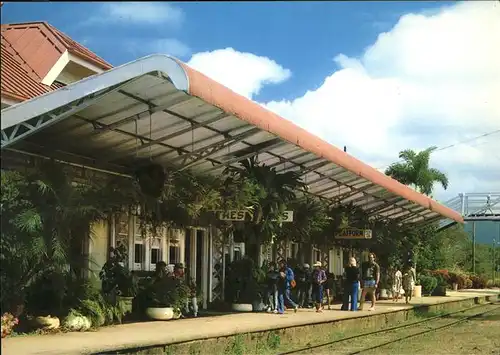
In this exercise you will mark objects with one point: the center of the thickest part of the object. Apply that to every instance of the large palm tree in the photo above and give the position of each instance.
(414, 171)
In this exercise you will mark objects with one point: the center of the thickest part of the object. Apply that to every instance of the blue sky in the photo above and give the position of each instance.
(378, 77)
(301, 36)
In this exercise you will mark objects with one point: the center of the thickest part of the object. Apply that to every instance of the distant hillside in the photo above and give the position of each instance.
(485, 231)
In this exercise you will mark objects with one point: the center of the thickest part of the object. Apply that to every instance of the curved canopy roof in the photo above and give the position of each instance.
(159, 109)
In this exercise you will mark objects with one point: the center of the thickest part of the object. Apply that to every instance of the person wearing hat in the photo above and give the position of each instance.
(319, 278)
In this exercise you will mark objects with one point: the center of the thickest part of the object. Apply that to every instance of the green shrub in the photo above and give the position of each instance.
(468, 282)
(459, 278)
(478, 282)
(428, 283)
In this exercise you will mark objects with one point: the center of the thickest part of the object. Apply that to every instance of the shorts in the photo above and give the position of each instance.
(368, 284)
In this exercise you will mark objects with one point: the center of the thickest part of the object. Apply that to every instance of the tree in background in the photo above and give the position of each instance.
(414, 171)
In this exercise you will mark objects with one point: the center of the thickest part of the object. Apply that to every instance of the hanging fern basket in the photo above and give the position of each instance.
(151, 179)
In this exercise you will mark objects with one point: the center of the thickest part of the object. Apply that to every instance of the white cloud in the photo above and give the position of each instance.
(170, 46)
(433, 79)
(149, 13)
(244, 73)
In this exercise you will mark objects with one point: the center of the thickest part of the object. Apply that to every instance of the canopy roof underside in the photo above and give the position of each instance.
(121, 119)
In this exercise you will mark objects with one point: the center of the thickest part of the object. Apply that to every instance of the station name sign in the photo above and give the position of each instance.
(354, 233)
(235, 215)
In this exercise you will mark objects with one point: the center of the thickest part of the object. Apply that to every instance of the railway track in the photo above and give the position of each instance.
(370, 341)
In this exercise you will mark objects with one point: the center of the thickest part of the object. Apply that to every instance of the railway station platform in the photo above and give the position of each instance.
(217, 334)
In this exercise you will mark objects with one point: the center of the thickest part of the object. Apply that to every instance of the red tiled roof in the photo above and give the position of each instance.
(29, 51)
(79, 50)
(19, 82)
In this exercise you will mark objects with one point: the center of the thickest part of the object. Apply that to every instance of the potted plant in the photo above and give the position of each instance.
(165, 298)
(257, 288)
(243, 285)
(441, 286)
(428, 284)
(117, 281)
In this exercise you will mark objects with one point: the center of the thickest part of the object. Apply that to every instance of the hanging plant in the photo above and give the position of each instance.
(344, 221)
(151, 179)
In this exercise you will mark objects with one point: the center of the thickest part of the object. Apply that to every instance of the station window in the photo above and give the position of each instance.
(155, 255)
(237, 253)
(138, 253)
(174, 254)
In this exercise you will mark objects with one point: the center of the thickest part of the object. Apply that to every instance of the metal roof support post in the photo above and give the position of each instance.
(473, 247)
(462, 206)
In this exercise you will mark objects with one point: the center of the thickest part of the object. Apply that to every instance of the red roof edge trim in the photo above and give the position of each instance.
(251, 112)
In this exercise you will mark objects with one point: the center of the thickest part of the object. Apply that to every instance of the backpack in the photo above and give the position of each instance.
(293, 283)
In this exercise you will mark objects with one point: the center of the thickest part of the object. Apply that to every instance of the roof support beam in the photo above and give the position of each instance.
(412, 211)
(198, 155)
(285, 160)
(23, 130)
(275, 143)
(172, 148)
(160, 140)
(380, 208)
(132, 118)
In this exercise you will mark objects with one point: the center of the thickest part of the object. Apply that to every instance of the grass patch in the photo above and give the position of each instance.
(237, 347)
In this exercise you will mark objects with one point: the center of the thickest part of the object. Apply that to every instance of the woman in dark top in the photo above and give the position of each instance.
(351, 286)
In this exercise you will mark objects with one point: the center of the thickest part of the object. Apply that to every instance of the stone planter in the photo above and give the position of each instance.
(258, 306)
(417, 291)
(241, 307)
(384, 294)
(439, 291)
(161, 313)
(127, 303)
(455, 287)
(78, 323)
(45, 322)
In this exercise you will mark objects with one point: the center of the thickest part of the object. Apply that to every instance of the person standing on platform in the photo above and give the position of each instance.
(408, 282)
(397, 284)
(285, 287)
(304, 279)
(351, 286)
(370, 271)
(319, 278)
(272, 288)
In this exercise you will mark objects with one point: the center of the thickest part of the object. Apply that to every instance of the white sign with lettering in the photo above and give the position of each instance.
(354, 233)
(287, 217)
(232, 215)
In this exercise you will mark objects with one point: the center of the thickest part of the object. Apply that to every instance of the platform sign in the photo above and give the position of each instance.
(287, 217)
(232, 215)
(354, 233)
(236, 215)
